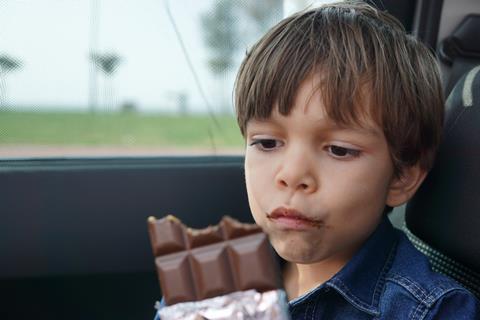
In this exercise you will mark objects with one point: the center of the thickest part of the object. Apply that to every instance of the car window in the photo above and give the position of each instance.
(131, 77)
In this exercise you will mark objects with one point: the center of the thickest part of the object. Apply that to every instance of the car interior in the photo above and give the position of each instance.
(441, 219)
(73, 232)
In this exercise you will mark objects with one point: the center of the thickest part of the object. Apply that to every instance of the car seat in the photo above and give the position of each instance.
(443, 218)
(461, 50)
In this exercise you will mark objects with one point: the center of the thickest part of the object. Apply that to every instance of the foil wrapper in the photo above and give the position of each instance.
(240, 305)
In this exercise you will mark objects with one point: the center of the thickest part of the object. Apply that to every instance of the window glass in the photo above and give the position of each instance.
(129, 77)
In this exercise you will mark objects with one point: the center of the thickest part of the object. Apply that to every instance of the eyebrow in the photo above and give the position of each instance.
(328, 125)
(364, 130)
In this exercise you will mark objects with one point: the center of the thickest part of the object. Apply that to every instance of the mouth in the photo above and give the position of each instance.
(293, 219)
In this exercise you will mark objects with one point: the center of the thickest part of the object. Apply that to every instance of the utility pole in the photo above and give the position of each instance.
(93, 46)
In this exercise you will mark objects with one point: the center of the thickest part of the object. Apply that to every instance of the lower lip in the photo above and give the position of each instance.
(294, 224)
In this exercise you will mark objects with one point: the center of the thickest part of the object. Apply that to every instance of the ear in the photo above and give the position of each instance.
(403, 188)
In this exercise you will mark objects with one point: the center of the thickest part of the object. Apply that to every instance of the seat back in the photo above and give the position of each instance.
(443, 218)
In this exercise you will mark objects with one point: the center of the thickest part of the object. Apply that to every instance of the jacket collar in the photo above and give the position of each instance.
(362, 279)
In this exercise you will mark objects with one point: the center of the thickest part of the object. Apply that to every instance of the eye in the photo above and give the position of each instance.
(266, 144)
(342, 152)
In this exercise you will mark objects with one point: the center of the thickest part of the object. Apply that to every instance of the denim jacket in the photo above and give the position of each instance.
(386, 279)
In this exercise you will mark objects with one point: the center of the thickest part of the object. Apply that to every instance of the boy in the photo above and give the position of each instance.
(342, 114)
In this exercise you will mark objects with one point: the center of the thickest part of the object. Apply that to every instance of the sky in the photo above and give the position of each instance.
(52, 39)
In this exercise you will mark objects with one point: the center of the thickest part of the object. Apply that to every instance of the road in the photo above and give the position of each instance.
(40, 151)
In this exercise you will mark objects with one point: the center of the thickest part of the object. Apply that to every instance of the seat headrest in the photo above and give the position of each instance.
(461, 50)
(463, 42)
(445, 212)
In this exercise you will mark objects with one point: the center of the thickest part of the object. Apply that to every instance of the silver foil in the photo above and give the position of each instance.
(240, 305)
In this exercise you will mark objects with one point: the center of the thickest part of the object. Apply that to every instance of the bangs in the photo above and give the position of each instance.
(346, 59)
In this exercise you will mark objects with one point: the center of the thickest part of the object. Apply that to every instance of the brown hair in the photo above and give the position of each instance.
(357, 50)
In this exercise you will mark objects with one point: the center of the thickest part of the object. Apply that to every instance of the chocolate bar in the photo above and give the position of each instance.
(196, 264)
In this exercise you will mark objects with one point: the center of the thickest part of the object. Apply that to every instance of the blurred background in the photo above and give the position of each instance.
(130, 77)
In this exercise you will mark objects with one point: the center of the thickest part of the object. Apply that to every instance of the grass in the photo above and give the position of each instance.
(117, 129)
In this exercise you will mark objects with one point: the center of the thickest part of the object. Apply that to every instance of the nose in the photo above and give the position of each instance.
(297, 172)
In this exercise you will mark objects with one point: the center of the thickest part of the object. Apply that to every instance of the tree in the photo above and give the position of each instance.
(232, 23)
(107, 63)
(263, 14)
(220, 35)
(7, 64)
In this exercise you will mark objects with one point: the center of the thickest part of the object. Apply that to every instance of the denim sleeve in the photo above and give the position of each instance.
(456, 305)
(160, 305)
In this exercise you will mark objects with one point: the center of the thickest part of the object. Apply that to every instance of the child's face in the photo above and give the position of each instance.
(317, 189)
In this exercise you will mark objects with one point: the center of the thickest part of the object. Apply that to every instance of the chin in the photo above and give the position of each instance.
(294, 252)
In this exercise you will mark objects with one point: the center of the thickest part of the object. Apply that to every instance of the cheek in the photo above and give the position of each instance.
(258, 180)
(360, 190)
(254, 183)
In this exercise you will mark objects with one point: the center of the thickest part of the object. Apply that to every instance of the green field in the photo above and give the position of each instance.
(117, 129)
